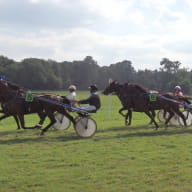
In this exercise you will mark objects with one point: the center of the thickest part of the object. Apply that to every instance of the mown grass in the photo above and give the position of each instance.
(117, 158)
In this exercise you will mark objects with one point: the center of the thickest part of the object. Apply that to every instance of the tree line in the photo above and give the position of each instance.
(40, 74)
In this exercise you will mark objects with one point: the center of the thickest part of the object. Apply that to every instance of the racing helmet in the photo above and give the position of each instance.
(178, 87)
(72, 87)
(93, 88)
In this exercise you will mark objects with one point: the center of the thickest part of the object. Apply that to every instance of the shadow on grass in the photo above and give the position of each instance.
(4, 133)
(126, 128)
(16, 137)
(157, 133)
(152, 133)
(38, 139)
(35, 138)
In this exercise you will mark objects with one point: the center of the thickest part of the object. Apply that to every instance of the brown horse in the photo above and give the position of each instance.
(136, 97)
(12, 98)
(7, 104)
(169, 95)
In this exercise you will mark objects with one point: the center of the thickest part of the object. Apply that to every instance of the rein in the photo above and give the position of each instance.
(173, 100)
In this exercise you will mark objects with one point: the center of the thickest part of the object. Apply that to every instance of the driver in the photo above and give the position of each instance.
(72, 93)
(93, 100)
(178, 91)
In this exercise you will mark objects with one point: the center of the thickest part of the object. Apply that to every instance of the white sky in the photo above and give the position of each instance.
(142, 31)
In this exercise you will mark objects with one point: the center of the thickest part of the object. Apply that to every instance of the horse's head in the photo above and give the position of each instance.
(4, 90)
(112, 88)
(8, 90)
(3, 86)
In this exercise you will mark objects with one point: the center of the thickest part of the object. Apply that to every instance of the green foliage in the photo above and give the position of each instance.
(170, 66)
(117, 158)
(4, 61)
(40, 74)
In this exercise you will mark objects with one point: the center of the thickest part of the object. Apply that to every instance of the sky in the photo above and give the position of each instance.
(141, 31)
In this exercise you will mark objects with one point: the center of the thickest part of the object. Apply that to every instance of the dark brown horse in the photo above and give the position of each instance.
(136, 97)
(8, 101)
(14, 104)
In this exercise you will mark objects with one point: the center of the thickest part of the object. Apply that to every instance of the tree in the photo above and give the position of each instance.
(122, 71)
(42, 74)
(169, 66)
(5, 61)
(84, 72)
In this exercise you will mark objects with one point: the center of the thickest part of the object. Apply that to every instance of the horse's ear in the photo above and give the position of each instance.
(110, 80)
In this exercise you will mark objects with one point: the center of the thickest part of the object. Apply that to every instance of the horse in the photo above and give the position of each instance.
(15, 105)
(7, 104)
(136, 97)
(128, 115)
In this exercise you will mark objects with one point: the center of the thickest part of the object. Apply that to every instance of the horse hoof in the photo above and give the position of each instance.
(127, 123)
(41, 134)
(37, 127)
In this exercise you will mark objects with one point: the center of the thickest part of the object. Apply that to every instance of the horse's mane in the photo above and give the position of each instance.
(14, 86)
(140, 87)
(137, 86)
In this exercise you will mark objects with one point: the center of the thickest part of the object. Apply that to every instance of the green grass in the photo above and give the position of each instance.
(117, 158)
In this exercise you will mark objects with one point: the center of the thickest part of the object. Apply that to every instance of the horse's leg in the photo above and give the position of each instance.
(128, 115)
(120, 111)
(4, 116)
(171, 114)
(64, 112)
(22, 121)
(42, 119)
(180, 114)
(152, 118)
(153, 114)
(17, 121)
(52, 121)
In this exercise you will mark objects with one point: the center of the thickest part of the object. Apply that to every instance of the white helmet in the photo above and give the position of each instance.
(178, 87)
(72, 87)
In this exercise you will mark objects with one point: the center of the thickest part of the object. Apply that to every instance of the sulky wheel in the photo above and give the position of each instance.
(175, 120)
(162, 118)
(62, 122)
(188, 117)
(85, 127)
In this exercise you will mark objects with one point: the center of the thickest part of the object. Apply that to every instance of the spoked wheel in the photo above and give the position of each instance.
(62, 122)
(162, 118)
(85, 127)
(175, 120)
(188, 117)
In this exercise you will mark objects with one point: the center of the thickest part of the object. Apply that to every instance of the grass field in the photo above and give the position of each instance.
(116, 159)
